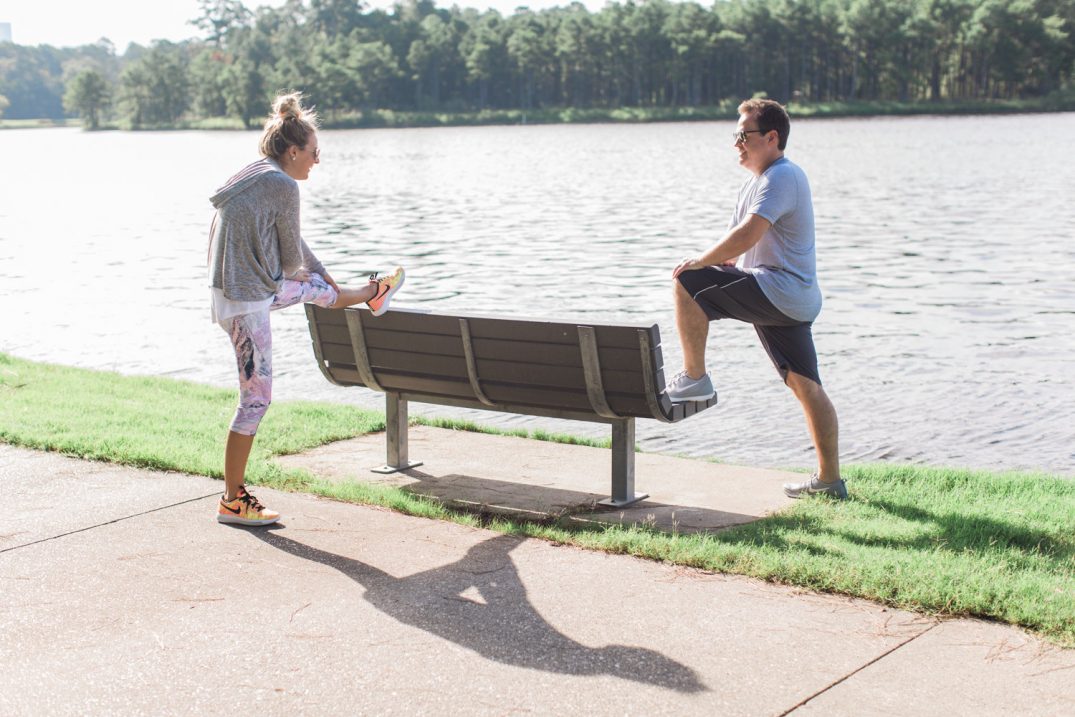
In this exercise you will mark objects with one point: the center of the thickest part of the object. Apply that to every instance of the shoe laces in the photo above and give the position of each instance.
(252, 502)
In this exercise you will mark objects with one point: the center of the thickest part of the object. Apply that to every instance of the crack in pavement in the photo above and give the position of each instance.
(109, 522)
(857, 670)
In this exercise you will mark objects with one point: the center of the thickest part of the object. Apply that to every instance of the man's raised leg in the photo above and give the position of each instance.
(693, 327)
(693, 384)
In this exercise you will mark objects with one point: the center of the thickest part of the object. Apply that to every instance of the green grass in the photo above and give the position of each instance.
(941, 541)
(537, 435)
(156, 423)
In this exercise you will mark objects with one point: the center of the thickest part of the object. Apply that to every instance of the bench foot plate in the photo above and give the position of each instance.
(617, 503)
(396, 469)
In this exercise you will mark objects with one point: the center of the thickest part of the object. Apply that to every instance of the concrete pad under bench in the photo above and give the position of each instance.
(540, 478)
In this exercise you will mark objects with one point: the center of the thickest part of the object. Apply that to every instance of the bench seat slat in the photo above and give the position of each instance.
(617, 381)
(438, 365)
(503, 393)
(487, 327)
(344, 375)
(425, 384)
(337, 334)
(514, 395)
(622, 383)
(616, 359)
(400, 382)
(489, 371)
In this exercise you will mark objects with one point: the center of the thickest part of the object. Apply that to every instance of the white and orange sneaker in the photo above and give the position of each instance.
(245, 510)
(387, 286)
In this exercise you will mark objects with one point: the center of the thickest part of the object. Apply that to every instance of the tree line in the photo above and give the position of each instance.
(644, 53)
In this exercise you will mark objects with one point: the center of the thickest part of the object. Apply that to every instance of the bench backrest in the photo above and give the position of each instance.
(585, 371)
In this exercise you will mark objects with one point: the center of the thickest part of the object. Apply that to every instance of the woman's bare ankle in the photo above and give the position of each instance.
(350, 297)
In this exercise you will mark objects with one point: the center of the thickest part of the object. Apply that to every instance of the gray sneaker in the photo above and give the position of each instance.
(684, 388)
(814, 486)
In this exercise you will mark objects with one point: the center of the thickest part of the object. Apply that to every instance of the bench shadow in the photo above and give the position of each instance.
(527, 500)
(494, 617)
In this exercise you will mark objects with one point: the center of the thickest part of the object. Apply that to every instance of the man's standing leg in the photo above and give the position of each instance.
(822, 422)
(825, 432)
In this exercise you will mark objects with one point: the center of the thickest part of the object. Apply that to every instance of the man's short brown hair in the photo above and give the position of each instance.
(770, 115)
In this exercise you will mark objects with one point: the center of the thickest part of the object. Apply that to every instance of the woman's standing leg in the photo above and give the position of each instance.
(252, 339)
(236, 455)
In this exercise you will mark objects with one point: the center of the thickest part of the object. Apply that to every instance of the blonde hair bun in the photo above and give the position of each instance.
(289, 106)
(288, 125)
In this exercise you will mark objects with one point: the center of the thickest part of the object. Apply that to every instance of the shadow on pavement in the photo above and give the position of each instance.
(528, 500)
(500, 625)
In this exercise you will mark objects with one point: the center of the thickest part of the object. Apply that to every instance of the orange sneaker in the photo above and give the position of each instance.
(386, 287)
(245, 510)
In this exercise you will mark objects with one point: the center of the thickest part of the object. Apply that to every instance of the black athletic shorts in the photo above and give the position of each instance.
(727, 292)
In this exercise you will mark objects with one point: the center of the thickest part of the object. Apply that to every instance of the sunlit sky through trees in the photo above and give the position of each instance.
(63, 23)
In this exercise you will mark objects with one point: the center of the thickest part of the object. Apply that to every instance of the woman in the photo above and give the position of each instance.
(258, 263)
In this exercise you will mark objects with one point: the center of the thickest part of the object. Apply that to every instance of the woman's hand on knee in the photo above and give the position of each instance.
(330, 281)
(302, 276)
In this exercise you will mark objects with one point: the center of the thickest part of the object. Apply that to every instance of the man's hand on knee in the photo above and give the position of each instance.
(688, 264)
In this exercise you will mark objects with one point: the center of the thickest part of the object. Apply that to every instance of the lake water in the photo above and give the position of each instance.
(945, 251)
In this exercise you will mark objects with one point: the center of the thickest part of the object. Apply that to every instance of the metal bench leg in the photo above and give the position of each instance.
(396, 435)
(623, 466)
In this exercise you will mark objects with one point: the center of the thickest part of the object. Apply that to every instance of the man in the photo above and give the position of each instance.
(775, 288)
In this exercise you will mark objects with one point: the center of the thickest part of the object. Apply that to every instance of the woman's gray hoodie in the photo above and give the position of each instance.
(255, 242)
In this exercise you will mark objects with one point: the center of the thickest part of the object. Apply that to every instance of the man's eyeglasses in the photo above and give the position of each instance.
(740, 136)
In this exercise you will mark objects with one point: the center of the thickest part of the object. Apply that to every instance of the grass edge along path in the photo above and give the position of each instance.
(934, 540)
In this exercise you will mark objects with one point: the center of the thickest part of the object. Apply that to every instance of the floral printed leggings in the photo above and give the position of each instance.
(252, 339)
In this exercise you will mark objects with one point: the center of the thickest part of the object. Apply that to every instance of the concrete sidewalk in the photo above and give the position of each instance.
(120, 595)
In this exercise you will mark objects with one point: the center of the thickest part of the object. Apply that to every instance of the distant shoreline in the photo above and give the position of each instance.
(382, 119)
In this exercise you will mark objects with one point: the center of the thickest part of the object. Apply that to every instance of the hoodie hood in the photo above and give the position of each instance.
(247, 177)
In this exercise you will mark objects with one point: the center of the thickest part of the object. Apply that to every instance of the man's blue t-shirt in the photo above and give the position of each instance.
(783, 261)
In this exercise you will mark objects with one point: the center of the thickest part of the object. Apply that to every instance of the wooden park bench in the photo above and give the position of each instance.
(582, 371)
